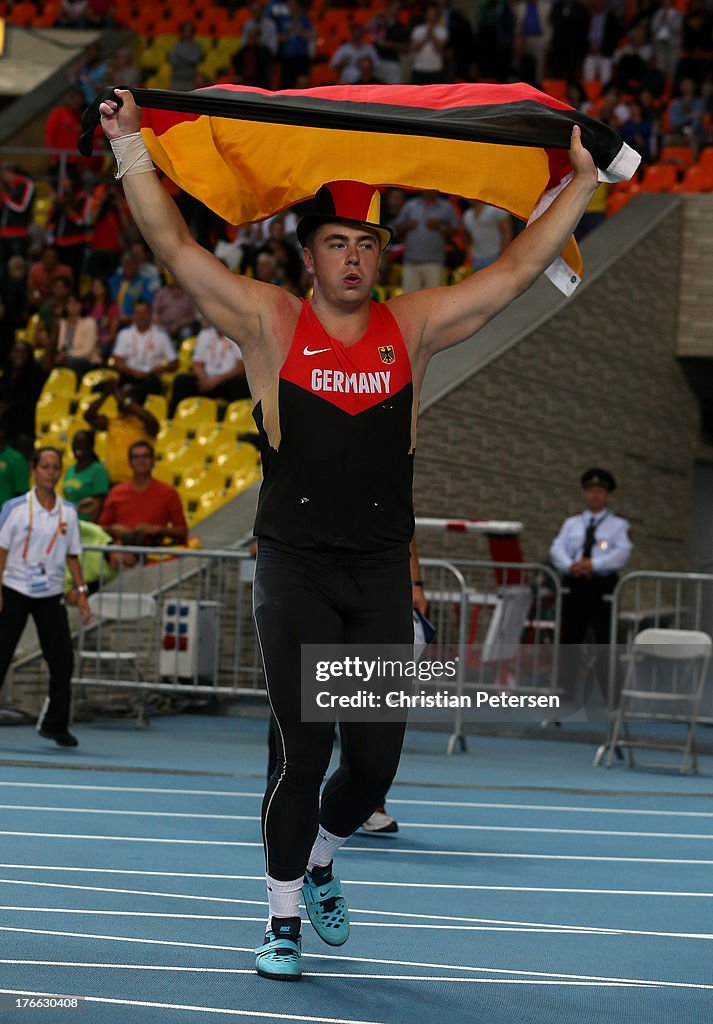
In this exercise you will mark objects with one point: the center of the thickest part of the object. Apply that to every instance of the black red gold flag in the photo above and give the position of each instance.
(248, 153)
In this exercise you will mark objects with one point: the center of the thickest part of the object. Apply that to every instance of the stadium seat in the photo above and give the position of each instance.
(187, 459)
(196, 483)
(592, 89)
(555, 87)
(216, 435)
(617, 200)
(58, 433)
(61, 381)
(170, 436)
(185, 354)
(208, 503)
(232, 460)
(679, 156)
(659, 178)
(240, 415)
(194, 412)
(164, 472)
(157, 406)
(23, 14)
(94, 377)
(101, 444)
(241, 481)
(696, 179)
(50, 409)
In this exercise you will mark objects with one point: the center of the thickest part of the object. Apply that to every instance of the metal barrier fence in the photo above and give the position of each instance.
(181, 623)
(675, 600)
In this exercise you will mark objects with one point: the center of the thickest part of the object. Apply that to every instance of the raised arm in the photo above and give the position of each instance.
(438, 318)
(237, 306)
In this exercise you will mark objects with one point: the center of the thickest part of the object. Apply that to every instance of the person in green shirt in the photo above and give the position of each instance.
(86, 482)
(14, 473)
(98, 567)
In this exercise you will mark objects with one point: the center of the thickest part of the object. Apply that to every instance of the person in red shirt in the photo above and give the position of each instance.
(43, 274)
(143, 510)
(63, 127)
(16, 192)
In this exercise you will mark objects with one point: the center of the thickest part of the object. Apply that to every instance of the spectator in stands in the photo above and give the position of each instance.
(603, 34)
(297, 42)
(142, 352)
(143, 508)
(109, 220)
(633, 61)
(366, 73)
(72, 14)
(666, 32)
(345, 59)
(14, 471)
(217, 371)
(696, 43)
(391, 39)
(569, 21)
(16, 192)
(86, 480)
(131, 423)
(69, 221)
(588, 552)
(460, 44)
(253, 62)
(494, 39)
(100, 14)
(148, 269)
(14, 304)
(612, 110)
(488, 230)
(122, 69)
(51, 312)
(425, 223)
(287, 261)
(20, 388)
(129, 287)
(428, 45)
(73, 343)
(686, 117)
(533, 31)
(105, 313)
(184, 58)
(63, 128)
(174, 311)
(268, 28)
(42, 274)
(639, 131)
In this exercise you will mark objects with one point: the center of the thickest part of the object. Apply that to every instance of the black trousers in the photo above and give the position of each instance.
(50, 617)
(584, 611)
(305, 597)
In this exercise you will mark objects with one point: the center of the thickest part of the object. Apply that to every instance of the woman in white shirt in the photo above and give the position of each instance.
(77, 346)
(39, 537)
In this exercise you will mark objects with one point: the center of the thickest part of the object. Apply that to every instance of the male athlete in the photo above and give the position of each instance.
(335, 382)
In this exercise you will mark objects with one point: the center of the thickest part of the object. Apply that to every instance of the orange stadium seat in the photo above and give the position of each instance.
(680, 156)
(659, 178)
(706, 158)
(592, 89)
(24, 13)
(556, 87)
(696, 179)
(47, 16)
(617, 200)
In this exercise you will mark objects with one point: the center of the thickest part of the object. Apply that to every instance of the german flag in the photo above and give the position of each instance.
(248, 153)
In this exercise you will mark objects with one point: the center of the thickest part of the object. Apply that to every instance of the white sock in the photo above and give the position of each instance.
(325, 846)
(284, 897)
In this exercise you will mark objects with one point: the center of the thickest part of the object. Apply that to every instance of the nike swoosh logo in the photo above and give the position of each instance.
(323, 894)
(313, 352)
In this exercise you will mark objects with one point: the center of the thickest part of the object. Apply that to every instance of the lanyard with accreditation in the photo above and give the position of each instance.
(36, 571)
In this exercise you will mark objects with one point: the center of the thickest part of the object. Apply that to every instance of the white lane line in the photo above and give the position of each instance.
(84, 870)
(485, 805)
(404, 824)
(341, 974)
(485, 925)
(544, 930)
(187, 1006)
(342, 958)
(366, 849)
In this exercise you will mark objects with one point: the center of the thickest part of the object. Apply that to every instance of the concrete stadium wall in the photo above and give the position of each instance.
(593, 382)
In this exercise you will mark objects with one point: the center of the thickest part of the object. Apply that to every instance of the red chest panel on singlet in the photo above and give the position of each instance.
(353, 378)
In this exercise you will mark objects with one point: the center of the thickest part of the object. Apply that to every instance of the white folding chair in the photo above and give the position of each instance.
(665, 678)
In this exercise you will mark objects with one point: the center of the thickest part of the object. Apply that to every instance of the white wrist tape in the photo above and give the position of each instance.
(132, 156)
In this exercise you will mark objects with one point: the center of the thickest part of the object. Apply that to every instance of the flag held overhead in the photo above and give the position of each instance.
(247, 153)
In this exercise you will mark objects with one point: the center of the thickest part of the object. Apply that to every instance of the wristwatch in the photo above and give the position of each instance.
(83, 589)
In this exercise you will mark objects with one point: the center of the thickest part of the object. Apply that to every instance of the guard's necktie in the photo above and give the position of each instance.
(589, 538)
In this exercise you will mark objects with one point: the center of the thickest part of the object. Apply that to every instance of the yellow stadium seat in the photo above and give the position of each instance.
(101, 444)
(164, 472)
(94, 377)
(240, 415)
(242, 480)
(185, 354)
(216, 435)
(50, 408)
(161, 79)
(195, 484)
(243, 459)
(61, 381)
(157, 406)
(208, 503)
(58, 433)
(170, 435)
(184, 460)
(194, 412)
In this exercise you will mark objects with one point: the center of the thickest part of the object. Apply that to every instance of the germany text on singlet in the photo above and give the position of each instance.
(336, 435)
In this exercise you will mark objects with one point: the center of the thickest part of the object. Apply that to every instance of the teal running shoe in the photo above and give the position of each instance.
(326, 906)
(280, 958)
